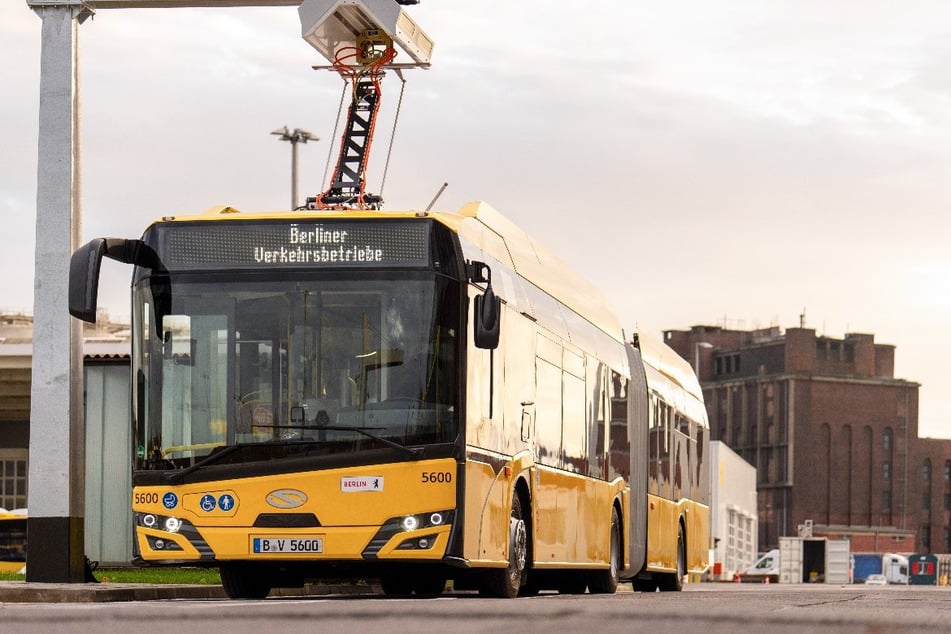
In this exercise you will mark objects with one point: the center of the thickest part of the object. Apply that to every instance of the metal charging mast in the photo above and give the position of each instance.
(361, 39)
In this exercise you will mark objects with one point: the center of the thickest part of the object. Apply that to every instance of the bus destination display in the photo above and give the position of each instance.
(293, 244)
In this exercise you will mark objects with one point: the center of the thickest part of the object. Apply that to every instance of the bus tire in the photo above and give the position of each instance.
(244, 581)
(506, 582)
(429, 585)
(605, 581)
(675, 582)
(643, 585)
(530, 589)
(395, 585)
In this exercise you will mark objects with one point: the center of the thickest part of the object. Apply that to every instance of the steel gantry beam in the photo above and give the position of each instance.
(171, 4)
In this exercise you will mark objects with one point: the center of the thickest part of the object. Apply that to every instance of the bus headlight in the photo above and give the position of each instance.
(167, 523)
(425, 520)
(394, 530)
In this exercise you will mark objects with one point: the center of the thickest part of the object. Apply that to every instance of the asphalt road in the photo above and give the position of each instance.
(707, 608)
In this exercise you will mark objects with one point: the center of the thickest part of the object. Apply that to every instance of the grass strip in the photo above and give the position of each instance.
(202, 576)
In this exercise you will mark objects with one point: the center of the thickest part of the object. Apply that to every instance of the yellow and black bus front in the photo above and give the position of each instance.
(296, 396)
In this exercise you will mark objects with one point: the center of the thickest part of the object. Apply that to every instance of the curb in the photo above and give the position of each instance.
(23, 592)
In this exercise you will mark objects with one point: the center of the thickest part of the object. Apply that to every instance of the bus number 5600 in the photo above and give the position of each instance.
(439, 477)
(146, 498)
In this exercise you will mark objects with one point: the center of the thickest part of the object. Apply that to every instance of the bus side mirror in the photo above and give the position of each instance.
(86, 262)
(488, 310)
(84, 268)
(488, 307)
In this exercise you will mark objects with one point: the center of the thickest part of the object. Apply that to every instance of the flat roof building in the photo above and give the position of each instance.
(733, 520)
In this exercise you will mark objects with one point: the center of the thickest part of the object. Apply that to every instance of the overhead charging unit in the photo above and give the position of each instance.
(361, 39)
(329, 25)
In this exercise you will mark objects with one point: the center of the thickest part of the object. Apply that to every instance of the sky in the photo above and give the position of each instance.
(715, 162)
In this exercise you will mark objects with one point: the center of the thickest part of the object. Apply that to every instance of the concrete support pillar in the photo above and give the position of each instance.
(57, 452)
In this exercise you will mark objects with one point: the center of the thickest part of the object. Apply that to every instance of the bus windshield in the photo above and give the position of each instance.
(336, 365)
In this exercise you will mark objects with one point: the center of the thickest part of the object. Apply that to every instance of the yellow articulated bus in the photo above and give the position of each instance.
(413, 397)
(13, 540)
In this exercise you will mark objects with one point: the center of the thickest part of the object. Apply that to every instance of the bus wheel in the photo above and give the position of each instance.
(605, 581)
(244, 581)
(395, 585)
(643, 585)
(506, 582)
(530, 589)
(429, 585)
(675, 582)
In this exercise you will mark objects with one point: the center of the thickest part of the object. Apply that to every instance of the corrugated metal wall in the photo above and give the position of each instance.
(108, 464)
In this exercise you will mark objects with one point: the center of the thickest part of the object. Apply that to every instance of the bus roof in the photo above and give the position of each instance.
(543, 268)
(667, 362)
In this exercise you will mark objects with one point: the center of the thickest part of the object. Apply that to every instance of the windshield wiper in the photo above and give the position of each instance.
(177, 476)
(413, 451)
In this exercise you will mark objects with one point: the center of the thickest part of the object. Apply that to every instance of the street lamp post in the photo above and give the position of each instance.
(696, 355)
(294, 136)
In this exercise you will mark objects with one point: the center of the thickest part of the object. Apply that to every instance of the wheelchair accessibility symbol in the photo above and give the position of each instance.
(207, 503)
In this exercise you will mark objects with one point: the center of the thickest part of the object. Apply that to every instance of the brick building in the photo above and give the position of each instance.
(832, 433)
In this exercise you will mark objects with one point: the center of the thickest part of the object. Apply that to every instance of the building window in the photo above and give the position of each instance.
(947, 470)
(926, 539)
(886, 500)
(13, 470)
(926, 470)
(947, 501)
(926, 501)
(886, 471)
(887, 440)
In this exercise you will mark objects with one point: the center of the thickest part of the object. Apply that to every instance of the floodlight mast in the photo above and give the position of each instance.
(361, 39)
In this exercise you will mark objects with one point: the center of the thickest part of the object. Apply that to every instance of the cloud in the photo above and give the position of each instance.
(699, 161)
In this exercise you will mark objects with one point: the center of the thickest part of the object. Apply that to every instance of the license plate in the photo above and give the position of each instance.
(283, 545)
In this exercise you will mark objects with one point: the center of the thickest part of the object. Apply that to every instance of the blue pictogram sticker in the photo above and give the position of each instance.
(170, 500)
(207, 503)
(226, 502)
